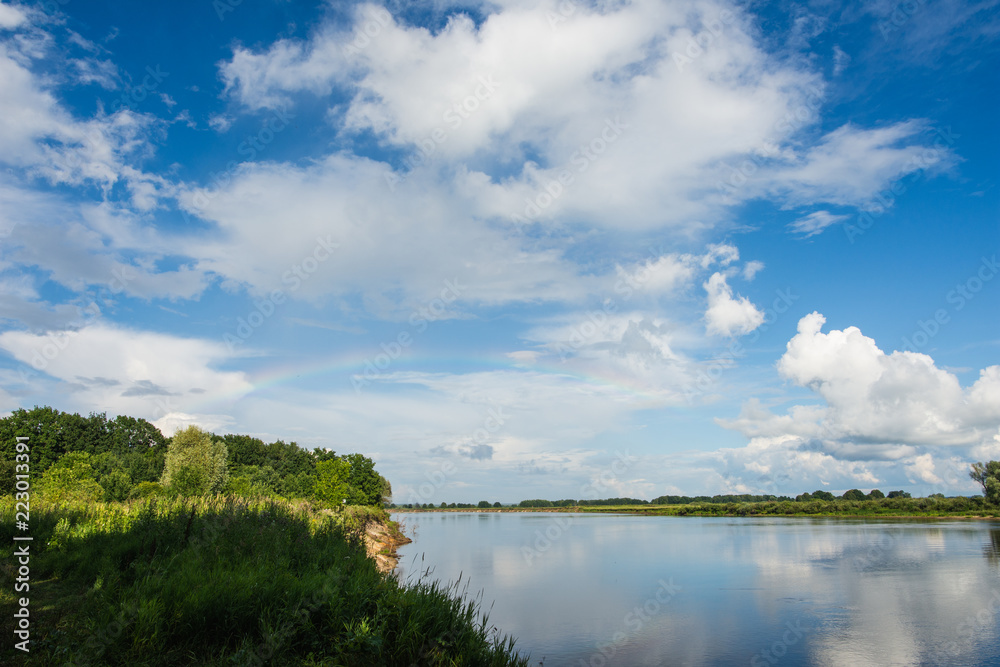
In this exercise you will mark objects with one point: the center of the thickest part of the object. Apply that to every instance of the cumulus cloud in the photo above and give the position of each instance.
(726, 315)
(877, 407)
(503, 97)
(902, 397)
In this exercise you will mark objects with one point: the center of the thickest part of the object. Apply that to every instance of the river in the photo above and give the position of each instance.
(586, 590)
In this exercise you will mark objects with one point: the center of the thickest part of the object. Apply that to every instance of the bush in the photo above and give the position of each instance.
(117, 486)
(144, 490)
(198, 459)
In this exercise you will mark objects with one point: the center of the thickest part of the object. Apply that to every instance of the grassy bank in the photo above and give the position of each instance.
(886, 507)
(224, 581)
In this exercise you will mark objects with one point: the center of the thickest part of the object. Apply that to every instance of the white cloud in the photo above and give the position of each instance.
(922, 468)
(815, 223)
(653, 133)
(850, 165)
(728, 316)
(396, 249)
(664, 275)
(132, 372)
(11, 17)
(873, 399)
(751, 269)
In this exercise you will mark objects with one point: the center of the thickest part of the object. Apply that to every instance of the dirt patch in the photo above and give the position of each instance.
(381, 541)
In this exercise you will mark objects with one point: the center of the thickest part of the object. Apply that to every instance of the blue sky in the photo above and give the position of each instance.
(515, 249)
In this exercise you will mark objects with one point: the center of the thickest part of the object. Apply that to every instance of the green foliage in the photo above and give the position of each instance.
(144, 490)
(7, 472)
(71, 479)
(332, 483)
(898, 494)
(53, 434)
(854, 494)
(254, 481)
(823, 495)
(244, 450)
(988, 476)
(385, 494)
(198, 461)
(496, 504)
(876, 494)
(117, 486)
(483, 504)
(189, 480)
(300, 485)
(217, 581)
(363, 478)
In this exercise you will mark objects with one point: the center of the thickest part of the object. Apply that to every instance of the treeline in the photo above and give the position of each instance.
(853, 494)
(125, 458)
(482, 504)
(823, 496)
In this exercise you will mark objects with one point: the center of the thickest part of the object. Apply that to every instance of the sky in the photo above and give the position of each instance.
(516, 249)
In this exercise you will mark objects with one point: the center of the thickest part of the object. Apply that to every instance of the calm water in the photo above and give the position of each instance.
(579, 589)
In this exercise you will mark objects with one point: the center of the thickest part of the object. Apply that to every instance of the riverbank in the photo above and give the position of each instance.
(382, 538)
(917, 508)
(222, 581)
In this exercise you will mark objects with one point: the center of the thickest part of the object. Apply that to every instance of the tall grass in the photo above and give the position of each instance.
(225, 581)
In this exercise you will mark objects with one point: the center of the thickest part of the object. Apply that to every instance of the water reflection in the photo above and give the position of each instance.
(628, 590)
(992, 549)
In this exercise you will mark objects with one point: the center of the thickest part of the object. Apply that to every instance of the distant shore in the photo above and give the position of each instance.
(904, 509)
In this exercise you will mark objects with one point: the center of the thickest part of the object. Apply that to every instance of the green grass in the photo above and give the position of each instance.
(225, 581)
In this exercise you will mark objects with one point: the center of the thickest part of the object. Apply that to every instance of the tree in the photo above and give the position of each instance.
(496, 504)
(332, 483)
(484, 504)
(196, 461)
(364, 479)
(71, 479)
(823, 495)
(128, 434)
(876, 494)
(988, 476)
(386, 493)
(898, 494)
(117, 486)
(854, 494)
(243, 450)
